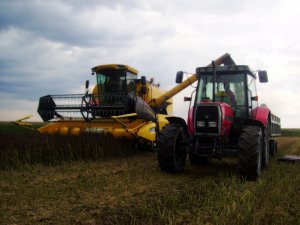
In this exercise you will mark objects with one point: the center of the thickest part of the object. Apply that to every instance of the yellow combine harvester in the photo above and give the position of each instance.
(121, 105)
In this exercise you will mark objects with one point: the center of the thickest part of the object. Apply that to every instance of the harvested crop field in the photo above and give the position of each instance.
(129, 188)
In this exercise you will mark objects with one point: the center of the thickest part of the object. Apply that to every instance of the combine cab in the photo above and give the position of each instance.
(117, 106)
(224, 120)
(115, 94)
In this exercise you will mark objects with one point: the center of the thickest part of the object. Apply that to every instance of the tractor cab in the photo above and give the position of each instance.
(225, 97)
(232, 85)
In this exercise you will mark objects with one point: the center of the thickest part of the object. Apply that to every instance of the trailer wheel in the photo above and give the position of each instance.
(250, 152)
(172, 150)
(273, 147)
(266, 149)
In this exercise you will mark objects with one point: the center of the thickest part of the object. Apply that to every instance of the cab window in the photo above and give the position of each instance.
(253, 104)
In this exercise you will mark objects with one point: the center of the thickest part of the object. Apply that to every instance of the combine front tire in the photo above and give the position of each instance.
(250, 152)
(172, 148)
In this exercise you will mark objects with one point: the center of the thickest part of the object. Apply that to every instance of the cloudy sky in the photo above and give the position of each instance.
(48, 47)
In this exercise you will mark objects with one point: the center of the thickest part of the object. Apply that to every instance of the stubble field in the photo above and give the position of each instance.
(51, 180)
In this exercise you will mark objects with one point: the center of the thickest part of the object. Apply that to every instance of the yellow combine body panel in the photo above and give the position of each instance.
(154, 92)
(132, 124)
(114, 67)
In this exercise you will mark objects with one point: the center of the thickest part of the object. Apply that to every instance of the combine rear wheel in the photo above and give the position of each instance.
(172, 148)
(250, 152)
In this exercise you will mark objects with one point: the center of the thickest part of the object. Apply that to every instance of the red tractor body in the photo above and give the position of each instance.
(226, 114)
(224, 120)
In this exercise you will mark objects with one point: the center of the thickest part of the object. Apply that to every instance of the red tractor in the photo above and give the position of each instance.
(224, 120)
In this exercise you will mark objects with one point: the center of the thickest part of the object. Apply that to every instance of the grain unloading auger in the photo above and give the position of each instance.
(120, 105)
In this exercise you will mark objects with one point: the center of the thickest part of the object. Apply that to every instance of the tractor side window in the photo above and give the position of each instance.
(239, 93)
(252, 93)
(205, 91)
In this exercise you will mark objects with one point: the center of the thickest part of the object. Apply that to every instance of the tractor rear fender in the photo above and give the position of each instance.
(253, 122)
(177, 120)
(261, 114)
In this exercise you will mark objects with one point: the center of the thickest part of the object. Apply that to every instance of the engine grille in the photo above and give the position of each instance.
(207, 119)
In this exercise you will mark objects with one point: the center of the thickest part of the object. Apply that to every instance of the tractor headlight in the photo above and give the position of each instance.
(212, 124)
(200, 123)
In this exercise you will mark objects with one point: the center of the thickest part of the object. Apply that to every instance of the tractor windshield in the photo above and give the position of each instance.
(112, 81)
(229, 88)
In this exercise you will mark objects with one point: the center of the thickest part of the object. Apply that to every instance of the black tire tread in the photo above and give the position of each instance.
(250, 150)
(265, 149)
(166, 159)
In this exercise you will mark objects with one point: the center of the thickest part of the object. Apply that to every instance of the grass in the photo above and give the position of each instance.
(24, 148)
(132, 190)
(291, 132)
(7, 127)
(28, 149)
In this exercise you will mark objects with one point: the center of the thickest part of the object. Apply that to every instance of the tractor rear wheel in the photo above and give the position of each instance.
(250, 152)
(172, 150)
(266, 149)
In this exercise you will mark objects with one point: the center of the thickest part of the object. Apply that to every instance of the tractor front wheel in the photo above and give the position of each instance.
(172, 148)
(250, 152)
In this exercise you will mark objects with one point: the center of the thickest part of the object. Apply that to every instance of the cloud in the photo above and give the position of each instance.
(98, 25)
(34, 65)
(48, 47)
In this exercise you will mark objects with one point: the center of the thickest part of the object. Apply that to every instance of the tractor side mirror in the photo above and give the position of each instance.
(254, 98)
(143, 80)
(179, 77)
(143, 90)
(187, 99)
(263, 76)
